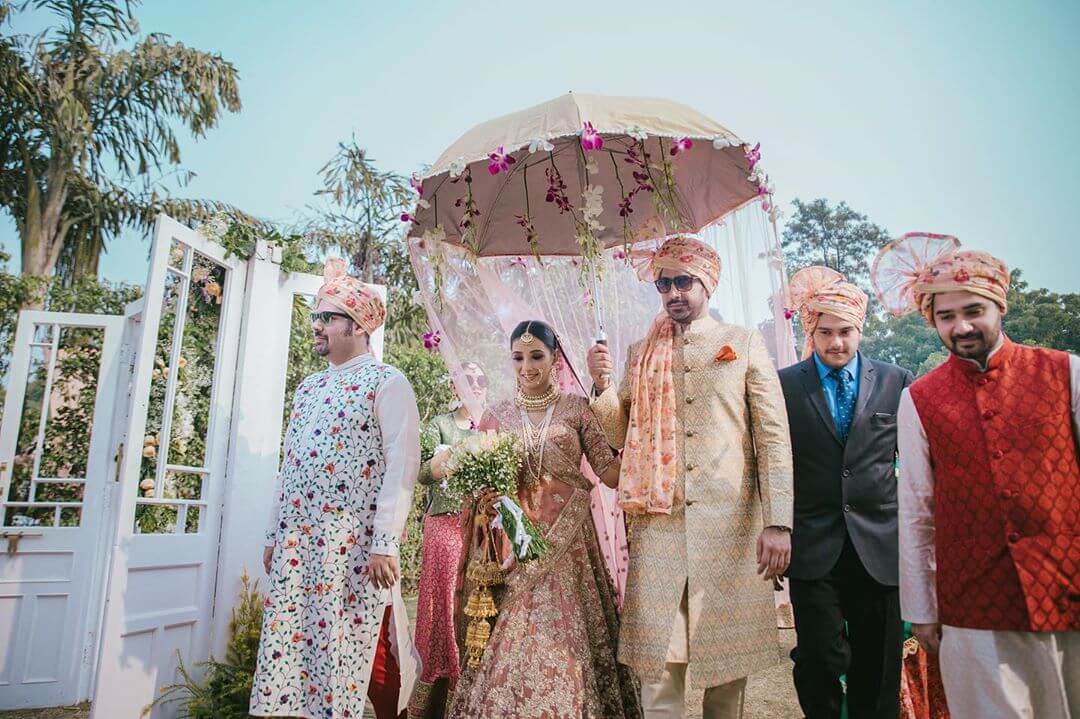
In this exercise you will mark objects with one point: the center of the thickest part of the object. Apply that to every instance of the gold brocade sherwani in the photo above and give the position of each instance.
(735, 477)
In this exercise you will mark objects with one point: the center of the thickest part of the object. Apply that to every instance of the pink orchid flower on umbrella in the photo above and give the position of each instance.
(432, 340)
(408, 217)
(590, 138)
(518, 262)
(788, 313)
(754, 155)
(681, 145)
(417, 184)
(499, 161)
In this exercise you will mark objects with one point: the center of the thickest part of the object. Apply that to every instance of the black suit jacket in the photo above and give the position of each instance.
(844, 488)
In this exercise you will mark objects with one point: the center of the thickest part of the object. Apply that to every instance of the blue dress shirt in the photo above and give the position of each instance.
(830, 385)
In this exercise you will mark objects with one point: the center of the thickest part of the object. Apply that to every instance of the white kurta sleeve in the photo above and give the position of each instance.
(399, 422)
(1074, 378)
(275, 510)
(918, 559)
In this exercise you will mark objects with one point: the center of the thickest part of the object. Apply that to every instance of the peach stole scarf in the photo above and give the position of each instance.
(650, 464)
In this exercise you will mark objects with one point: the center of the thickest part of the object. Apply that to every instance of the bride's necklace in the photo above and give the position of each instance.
(538, 403)
(534, 437)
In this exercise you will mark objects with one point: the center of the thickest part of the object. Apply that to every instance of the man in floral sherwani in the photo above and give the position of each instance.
(334, 628)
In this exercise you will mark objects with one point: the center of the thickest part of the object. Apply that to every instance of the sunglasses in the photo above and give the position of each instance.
(682, 283)
(477, 381)
(327, 317)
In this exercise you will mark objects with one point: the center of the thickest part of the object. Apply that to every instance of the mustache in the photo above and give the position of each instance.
(976, 335)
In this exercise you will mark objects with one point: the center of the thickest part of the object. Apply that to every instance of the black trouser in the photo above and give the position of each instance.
(869, 650)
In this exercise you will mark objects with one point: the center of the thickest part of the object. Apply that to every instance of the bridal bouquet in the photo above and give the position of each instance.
(492, 460)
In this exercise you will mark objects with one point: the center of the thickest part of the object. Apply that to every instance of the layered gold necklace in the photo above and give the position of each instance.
(537, 403)
(534, 437)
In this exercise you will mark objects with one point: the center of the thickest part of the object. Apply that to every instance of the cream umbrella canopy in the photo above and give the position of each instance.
(581, 173)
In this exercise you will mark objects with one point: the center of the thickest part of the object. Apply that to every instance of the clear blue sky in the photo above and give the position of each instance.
(955, 117)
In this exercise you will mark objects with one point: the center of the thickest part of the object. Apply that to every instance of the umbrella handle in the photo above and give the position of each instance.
(598, 310)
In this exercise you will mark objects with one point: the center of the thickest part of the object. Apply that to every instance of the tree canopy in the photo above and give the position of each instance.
(90, 111)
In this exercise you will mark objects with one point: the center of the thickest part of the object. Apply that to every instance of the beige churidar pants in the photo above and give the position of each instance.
(666, 698)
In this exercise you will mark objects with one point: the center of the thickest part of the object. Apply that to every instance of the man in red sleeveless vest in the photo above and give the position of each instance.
(989, 492)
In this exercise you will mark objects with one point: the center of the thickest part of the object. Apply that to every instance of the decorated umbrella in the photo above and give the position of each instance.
(582, 173)
(539, 215)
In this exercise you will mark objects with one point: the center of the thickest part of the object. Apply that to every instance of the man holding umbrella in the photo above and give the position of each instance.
(707, 479)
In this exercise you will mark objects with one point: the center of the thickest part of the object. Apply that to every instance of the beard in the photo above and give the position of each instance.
(322, 346)
(977, 345)
(681, 311)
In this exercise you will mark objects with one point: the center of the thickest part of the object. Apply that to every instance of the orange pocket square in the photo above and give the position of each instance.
(726, 354)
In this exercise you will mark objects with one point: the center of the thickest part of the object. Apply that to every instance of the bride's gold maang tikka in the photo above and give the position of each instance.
(526, 336)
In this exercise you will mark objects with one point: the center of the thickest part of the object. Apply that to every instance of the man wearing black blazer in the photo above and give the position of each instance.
(844, 568)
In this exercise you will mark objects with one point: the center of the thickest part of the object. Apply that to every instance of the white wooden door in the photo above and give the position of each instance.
(56, 467)
(160, 597)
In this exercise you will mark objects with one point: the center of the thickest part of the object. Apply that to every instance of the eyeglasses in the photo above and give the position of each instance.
(682, 283)
(479, 380)
(327, 317)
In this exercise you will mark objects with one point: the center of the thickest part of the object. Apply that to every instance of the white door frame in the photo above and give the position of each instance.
(139, 643)
(76, 666)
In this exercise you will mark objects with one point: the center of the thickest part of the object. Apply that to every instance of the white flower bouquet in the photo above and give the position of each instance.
(492, 460)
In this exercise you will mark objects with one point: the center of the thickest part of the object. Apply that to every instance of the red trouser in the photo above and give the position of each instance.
(385, 684)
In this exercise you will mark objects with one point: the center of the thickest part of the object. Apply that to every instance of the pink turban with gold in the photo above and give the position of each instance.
(908, 272)
(681, 254)
(816, 291)
(360, 302)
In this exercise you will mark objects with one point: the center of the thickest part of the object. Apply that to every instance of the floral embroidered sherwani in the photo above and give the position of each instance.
(734, 479)
(352, 452)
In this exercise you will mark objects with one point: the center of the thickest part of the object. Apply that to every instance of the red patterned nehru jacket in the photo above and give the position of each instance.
(1006, 490)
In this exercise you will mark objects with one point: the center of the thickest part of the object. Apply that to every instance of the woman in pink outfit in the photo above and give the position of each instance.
(439, 556)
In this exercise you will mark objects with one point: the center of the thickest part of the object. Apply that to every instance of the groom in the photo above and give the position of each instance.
(707, 479)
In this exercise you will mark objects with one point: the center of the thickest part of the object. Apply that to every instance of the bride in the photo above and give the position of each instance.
(552, 651)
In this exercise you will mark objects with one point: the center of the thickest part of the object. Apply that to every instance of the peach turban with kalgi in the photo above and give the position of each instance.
(681, 254)
(817, 291)
(979, 273)
(359, 301)
(908, 273)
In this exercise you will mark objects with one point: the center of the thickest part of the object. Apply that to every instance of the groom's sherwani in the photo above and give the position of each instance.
(735, 477)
